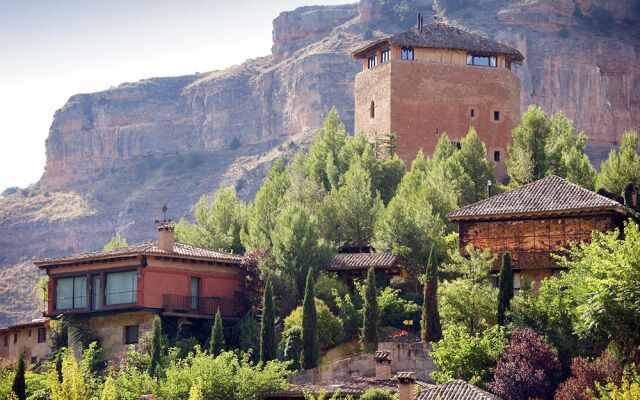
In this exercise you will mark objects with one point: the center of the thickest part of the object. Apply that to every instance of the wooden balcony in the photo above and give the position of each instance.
(202, 306)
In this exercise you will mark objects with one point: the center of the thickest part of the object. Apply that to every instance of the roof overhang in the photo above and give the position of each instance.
(362, 52)
(592, 211)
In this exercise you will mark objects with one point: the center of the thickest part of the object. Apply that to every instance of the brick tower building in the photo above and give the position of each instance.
(438, 78)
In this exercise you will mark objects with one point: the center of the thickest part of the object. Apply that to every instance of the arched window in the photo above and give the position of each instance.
(372, 109)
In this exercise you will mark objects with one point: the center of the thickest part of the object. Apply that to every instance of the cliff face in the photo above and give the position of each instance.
(114, 157)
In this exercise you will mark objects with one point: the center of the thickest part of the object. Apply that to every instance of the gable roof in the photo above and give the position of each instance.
(440, 35)
(352, 261)
(180, 250)
(548, 196)
(455, 390)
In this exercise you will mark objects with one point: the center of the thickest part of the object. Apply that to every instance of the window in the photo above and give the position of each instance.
(15, 338)
(496, 156)
(131, 334)
(29, 332)
(472, 113)
(122, 287)
(42, 335)
(516, 280)
(6, 341)
(407, 53)
(496, 115)
(71, 292)
(96, 293)
(482, 61)
(385, 56)
(195, 293)
(34, 360)
(372, 62)
(372, 109)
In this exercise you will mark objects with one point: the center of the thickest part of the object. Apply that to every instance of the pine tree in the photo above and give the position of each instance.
(156, 347)
(19, 387)
(369, 339)
(267, 328)
(216, 343)
(431, 328)
(505, 287)
(311, 353)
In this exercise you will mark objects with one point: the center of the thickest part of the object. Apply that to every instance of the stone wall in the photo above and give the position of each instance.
(404, 357)
(26, 340)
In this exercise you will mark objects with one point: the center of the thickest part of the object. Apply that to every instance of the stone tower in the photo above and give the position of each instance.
(438, 78)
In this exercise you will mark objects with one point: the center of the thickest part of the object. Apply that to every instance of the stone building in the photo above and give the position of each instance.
(534, 221)
(438, 78)
(119, 292)
(29, 338)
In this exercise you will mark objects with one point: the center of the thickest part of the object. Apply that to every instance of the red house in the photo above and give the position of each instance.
(119, 292)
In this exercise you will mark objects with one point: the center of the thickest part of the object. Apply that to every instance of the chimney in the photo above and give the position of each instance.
(383, 365)
(489, 189)
(165, 232)
(406, 381)
(419, 22)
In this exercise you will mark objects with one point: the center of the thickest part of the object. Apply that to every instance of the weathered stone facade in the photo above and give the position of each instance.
(24, 339)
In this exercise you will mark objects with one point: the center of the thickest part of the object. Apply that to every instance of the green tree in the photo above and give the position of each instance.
(369, 339)
(293, 347)
(116, 242)
(19, 386)
(311, 353)
(391, 172)
(356, 208)
(250, 336)
(73, 386)
(323, 164)
(217, 225)
(527, 159)
(267, 327)
(216, 343)
(461, 355)
(156, 347)
(350, 316)
(473, 158)
(622, 166)
(328, 326)
(505, 289)
(431, 330)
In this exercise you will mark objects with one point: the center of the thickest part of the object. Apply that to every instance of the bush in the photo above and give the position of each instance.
(377, 394)
(330, 332)
(326, 284)
(586, 375)
(461, 355)
(350, 316)
(393, 309)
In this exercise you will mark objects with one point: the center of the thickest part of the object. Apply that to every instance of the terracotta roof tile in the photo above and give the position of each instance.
(347, 261)
(147, 248)
(455, 390)
(406, 377)
(439, 35)
(381, 355)
(547, 195)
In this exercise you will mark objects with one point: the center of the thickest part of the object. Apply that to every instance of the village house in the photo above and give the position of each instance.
(534, 221)
(29, 338)
(353, 266)
(118, 293)
(433, 79)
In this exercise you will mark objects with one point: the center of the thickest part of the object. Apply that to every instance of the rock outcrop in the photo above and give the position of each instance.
(116, 156)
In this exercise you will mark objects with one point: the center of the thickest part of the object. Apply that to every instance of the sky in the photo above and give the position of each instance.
(51, 50)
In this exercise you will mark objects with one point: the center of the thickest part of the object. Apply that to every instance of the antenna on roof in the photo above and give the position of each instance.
(164, 216)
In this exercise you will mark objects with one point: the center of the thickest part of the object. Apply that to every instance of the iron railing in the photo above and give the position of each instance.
(202, 305)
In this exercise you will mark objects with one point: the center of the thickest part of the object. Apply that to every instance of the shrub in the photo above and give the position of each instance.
(461, 355)
(377, 394)
(586, 374)
(350, 316)
(393, 309)
(629, 388)
(330, 332)
(326, 284)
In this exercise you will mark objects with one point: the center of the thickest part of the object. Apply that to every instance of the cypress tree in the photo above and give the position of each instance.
(19, 387)
(369, 339)
(505, 289)
(430, 324)
(216, 343)
(293, 347)
(267, 327)
(311, 351)
(156, 346)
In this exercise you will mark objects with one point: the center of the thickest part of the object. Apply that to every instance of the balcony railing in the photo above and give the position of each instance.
(202, 305)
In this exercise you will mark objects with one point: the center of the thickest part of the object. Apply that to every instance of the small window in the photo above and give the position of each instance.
(372, 62)
(407, 53)
(34, 360)
(372, 109)
(42, 335)
(496, 115)
(15, 338)
(131, 334)
(496, 156)
(385, 56)
(482, 60)
(472, 113)
(493, 62)
(6, 341)
(517, 284)
(29, 332)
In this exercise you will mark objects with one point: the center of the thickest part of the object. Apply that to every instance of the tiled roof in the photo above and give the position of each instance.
(455, 390)
(348, 386)
(439, 35)
(381, 355)
(406, 377)
(147, 248)
(35, 323)
(348, 261)
(550, 195)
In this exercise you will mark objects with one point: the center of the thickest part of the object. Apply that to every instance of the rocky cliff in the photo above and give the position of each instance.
(114, 157)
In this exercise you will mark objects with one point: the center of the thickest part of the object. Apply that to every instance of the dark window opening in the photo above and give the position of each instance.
(496, 115)
(372, 109)
(482, 61)
(472, 113)
(131, 334)
(42, 335)
(496, 156)
(29, 332)
(6, 341)
(34, 360)
(15, 338)
(385, 56)
(407, 53)
(372, 62)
